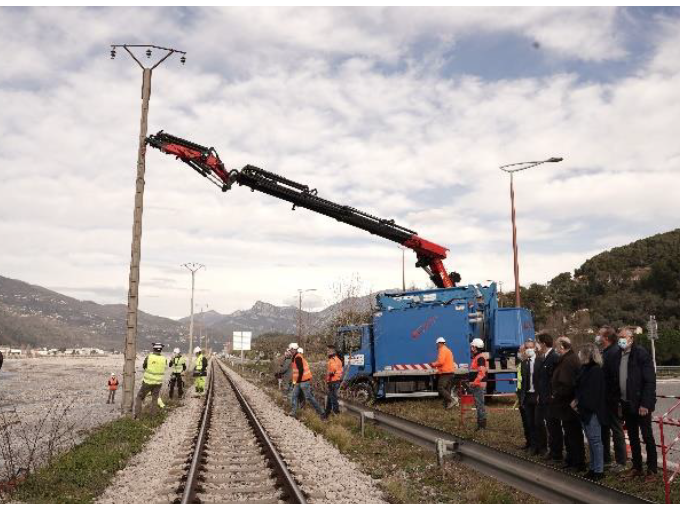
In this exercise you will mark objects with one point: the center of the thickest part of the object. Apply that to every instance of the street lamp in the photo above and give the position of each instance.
(133, 291)
(300, 292)
(193, 267)
(511, 169)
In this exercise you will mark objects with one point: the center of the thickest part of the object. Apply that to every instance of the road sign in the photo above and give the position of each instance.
(242, 340)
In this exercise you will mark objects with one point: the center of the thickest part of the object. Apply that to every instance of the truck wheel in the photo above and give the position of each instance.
(362, 393)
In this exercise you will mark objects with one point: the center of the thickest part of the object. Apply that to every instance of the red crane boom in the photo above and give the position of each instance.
(206, 161)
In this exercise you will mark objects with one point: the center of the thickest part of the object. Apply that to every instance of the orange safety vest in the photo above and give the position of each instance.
(306, 372)
(480, 380)
(113, 383)
(334, 369)
(445, 363)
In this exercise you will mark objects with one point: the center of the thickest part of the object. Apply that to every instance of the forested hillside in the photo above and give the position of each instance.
(622, 286)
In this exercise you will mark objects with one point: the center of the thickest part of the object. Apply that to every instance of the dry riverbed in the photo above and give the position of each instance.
(49, 404)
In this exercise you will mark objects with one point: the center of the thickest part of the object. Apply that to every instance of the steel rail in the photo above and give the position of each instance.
(189, 492)
(544, 482)
(285, 476)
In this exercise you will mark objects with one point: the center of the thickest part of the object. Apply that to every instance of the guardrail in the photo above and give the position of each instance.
(528, 476)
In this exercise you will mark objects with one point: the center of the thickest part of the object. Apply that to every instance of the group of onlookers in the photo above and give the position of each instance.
(564, 395)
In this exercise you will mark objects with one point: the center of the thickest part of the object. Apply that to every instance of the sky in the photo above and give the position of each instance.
(405, 113)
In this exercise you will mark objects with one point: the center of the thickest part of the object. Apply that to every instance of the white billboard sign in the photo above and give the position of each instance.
(242, 340)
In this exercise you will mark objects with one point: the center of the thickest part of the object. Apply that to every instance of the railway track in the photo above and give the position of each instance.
(233, 459)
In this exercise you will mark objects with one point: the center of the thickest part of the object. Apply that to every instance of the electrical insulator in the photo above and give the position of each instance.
(113, 53)
(183, 60)
(148, 53)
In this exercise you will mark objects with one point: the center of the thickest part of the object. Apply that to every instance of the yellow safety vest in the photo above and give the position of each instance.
(519, 377)
(198, 366)
(155, 369)
(178, 364)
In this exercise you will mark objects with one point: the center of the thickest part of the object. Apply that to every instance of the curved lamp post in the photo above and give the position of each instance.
(511, 169)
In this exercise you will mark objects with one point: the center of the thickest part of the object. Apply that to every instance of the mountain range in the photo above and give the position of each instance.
(623, 285)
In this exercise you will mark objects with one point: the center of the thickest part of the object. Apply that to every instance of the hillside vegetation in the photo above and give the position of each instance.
(622, 286)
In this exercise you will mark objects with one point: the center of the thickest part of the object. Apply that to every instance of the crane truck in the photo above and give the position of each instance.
(391, 355)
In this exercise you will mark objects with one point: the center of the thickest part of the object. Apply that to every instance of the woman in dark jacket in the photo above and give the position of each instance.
(591, 405)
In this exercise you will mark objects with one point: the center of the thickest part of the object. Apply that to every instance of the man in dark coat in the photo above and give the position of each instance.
(545, 367)
(613, 428)
(637, 384)
(563, 393)
(529, 400)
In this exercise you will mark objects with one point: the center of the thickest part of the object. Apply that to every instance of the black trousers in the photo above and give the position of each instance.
(555, 436)
(525, 425)
(637, 424)
(176, 380)
(573, 442)
(529, 405)
(444, 384)
(540, 430)
(614, 429)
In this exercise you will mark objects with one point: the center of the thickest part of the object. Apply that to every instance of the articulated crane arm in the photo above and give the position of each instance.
(206, 162)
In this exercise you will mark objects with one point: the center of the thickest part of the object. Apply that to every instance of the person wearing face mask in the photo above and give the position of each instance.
(529, 400)
(637, 386)
(613, 427)
(563, 394)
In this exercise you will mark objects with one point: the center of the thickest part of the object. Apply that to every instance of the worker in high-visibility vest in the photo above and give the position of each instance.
(200, 370)
(112, 383)
(154, 370)
(333, 380)
(178, 364)
(302, 378)
(478, 385)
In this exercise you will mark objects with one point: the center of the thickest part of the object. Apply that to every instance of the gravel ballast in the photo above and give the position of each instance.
(323, 473)
(151, 476)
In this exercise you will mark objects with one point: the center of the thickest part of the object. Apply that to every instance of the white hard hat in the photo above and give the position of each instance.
(478, 343)
(293, 346)
(176, 350)
(197, 349)
(301, 350)
(113, 374)
(441, 340)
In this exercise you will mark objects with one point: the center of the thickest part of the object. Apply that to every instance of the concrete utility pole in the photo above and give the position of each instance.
(511, 169)
(300, 292)
(133, 290)
(193, 267)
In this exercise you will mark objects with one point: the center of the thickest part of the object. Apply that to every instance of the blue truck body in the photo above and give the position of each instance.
(391, 356)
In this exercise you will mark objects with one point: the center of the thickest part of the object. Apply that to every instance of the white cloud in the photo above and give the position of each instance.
(409, 144)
